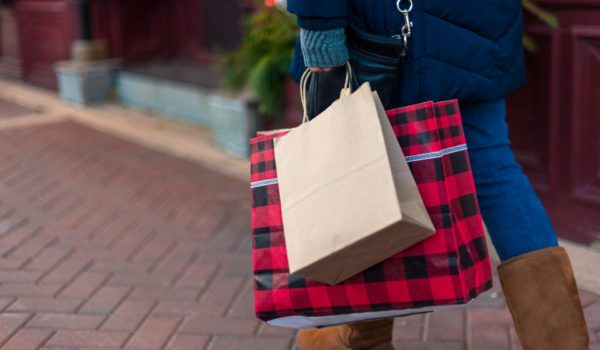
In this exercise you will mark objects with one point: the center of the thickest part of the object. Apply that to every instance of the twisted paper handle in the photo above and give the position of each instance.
(346, 90)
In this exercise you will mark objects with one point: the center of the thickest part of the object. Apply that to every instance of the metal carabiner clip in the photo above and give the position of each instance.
(405, 32)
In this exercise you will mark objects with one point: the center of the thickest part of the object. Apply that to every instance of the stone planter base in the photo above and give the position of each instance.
(233, 119)
(86, 83)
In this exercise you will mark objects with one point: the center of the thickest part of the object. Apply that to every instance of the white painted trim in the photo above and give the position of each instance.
(438, 154)
(409, 159)
(263, 183)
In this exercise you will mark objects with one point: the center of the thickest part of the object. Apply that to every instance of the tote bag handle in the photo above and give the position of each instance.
(346, 90)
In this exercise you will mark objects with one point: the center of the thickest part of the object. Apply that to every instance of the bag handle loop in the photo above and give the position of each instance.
(346, 90)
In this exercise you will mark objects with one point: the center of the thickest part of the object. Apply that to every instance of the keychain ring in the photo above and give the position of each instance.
(399, 6)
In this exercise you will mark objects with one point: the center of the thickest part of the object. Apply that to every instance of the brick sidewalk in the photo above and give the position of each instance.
(107, 244)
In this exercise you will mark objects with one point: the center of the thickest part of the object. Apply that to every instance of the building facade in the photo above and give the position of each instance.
(555, 119)
(38, 33)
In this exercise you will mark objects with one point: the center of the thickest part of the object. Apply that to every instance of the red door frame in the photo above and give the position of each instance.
(175, 30)
(46, 30)
(555, 119)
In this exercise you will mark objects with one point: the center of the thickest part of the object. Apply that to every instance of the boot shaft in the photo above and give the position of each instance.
(542, 296)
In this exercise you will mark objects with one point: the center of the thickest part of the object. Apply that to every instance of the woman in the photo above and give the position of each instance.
(470, 50)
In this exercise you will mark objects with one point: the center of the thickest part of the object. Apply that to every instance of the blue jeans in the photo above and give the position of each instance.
(513, 213)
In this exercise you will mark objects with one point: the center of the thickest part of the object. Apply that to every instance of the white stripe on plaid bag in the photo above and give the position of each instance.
(409, 159)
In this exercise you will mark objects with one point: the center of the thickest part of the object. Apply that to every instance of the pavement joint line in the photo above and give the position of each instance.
(210, 343)
(19, 326)
(95, 291)
(209, 280)
(425, 327)
(68, 283)
(238, 297)
(256, 329)
(468, 331)
(174, 331)
(115, 307)
(188, 265)
(140, 247)
(62, 259)
(143, 320)
(47, 339)
(167, 137)
(5, 308)
(162, 257)
(34, 233)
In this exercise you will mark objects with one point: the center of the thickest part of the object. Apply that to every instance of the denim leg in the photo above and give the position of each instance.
(512, 211)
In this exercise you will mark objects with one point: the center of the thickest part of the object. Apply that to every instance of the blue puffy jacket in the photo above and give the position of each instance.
(468, 49)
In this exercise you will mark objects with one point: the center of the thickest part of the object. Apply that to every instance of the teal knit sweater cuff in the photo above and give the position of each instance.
(324, 48)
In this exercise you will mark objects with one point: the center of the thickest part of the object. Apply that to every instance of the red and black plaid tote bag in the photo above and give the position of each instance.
(450, 268)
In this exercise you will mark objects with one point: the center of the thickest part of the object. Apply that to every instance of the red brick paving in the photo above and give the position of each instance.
(105, 244)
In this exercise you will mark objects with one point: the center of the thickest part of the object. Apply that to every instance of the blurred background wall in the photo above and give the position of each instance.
(135, 30)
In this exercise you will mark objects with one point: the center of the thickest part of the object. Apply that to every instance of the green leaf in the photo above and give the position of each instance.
(529, 44)
(263, 60)
(543, 15)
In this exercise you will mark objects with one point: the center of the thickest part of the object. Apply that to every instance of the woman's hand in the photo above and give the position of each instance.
(323, 49)
(319, 69)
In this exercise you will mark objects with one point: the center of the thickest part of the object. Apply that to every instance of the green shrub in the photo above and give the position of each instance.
(264, 58)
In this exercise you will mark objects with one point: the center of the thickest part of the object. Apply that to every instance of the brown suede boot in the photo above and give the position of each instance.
(543, 299)
(371, 335)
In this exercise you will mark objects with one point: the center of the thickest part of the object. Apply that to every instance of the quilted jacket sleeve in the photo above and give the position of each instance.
(320, 14)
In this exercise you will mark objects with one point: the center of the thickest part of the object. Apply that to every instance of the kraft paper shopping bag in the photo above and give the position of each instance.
(348, 198)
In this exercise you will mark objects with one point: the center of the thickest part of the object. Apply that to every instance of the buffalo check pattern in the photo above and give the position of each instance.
(451, 267)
